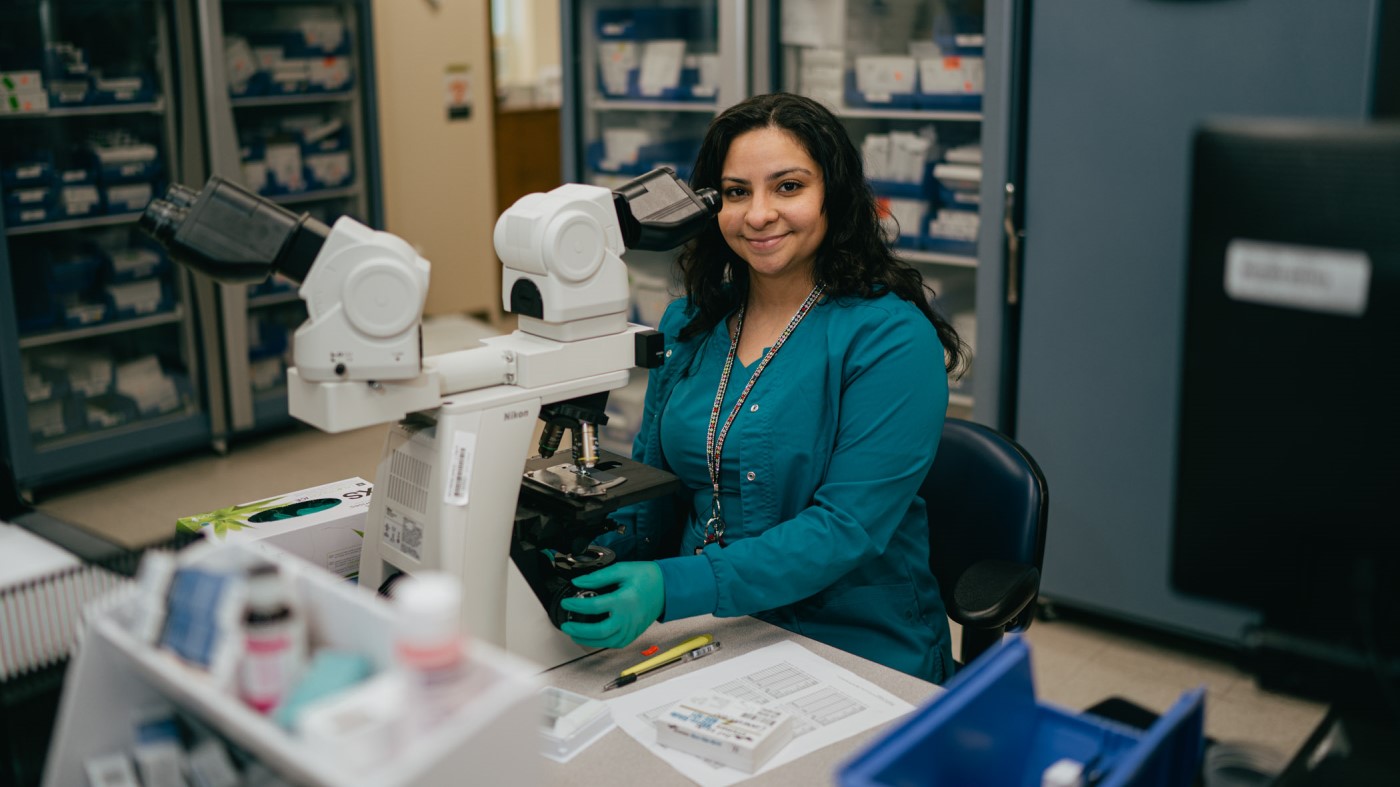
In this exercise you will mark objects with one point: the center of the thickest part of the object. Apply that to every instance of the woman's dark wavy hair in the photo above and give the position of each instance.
(853, 259)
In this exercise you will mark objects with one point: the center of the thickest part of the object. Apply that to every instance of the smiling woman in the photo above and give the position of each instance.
(800, 363)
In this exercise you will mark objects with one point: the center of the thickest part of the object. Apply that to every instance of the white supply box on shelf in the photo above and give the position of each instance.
(323, 525)
(492, 738)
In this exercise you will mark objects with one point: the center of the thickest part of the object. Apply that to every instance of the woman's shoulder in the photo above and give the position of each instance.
(888, 312)
(675, 317)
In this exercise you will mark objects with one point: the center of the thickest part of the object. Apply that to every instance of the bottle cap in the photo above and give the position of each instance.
(266, 590)
(427, 617)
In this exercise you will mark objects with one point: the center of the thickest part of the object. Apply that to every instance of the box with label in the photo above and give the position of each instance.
(882, 80)
(324, 525)
(725, 729)
(951, 82)
(29, 102)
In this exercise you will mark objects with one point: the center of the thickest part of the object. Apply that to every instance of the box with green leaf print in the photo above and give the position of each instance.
(324, 524)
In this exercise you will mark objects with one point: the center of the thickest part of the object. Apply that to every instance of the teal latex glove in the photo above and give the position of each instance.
(636, 604)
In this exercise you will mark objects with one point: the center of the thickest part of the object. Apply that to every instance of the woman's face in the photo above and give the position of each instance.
(771, 214)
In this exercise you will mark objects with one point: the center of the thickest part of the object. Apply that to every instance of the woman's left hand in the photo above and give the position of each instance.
(635, 605)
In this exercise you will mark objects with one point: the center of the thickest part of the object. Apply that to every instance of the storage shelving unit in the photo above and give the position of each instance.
(850, 60)
(289, 112)
(71, 406)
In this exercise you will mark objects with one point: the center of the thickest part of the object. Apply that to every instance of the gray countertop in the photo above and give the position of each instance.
(618, 759)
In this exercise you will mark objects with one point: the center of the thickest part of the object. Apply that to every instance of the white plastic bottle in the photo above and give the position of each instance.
(430, 647)
(274, 642)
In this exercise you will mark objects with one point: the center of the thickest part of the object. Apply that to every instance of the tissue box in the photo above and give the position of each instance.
(323, 525)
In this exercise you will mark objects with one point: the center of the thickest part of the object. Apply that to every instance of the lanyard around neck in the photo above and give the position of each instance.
(714, 437)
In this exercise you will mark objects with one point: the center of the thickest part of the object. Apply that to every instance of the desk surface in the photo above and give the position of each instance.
(618, 759)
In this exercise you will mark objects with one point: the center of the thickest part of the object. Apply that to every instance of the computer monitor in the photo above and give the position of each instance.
(1288, 452)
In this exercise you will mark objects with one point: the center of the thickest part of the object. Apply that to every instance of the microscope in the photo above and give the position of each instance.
(455, 490)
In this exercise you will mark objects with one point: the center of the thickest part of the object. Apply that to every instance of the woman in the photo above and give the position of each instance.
(803, 390)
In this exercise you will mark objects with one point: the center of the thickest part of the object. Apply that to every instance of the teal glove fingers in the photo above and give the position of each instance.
(635, 605)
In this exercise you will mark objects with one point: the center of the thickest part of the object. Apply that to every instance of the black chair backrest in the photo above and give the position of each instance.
(986, 499)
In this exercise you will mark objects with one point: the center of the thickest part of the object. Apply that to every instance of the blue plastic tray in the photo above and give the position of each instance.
(988, 729)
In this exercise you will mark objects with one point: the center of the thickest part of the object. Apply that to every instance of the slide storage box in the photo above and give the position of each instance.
(988, 729)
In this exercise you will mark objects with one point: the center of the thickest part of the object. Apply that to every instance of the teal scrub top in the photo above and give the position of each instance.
(825, 533)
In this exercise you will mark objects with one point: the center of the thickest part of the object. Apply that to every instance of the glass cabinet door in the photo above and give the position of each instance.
(645, 78)
(97, 338)
(642, 81)
(289, 102)
(907, 78)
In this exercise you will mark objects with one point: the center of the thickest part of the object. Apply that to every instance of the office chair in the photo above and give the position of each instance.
(987, 505)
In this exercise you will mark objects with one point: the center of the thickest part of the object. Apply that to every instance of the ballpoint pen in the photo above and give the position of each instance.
(691, 649)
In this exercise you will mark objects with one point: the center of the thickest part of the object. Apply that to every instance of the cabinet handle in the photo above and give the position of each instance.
(1014, 236)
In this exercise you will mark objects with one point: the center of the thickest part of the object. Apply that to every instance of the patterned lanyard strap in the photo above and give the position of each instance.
(714, 442)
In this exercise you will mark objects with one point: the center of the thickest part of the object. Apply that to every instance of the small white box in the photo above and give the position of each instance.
(952, 74)
(879, 77)
(284, 168)
(661, 66)
(23, 102)
(726, 730)
(323, 525)
(616, 59)
(331, 170)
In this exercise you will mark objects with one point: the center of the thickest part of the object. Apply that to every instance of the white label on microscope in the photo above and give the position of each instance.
(459, 468)
(1334, 281)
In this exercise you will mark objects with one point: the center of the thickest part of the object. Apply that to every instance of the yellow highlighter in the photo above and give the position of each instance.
(691, 649)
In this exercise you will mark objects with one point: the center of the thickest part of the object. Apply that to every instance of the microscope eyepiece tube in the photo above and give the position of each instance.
(162, 219)
(181, 196)
(233, 235)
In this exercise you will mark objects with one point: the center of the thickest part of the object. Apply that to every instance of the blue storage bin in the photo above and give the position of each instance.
(32, 169)
(81, 311)
(988, 729)
(127, 197)
(30, 214)
(74, 176)
(259, 84)
(29, 197)
(36, 315)
(325, 139)
(139, 88)
(952, 102)
(69, 92)
(679, 155)
(857, 98)
(962, 248)
(683, 91)
(640, 24)
(141, 166)
(890, 188)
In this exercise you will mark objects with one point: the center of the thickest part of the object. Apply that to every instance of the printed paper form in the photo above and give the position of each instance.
(831, 704)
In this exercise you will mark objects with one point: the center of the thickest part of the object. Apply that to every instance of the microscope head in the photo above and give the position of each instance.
(562, 250)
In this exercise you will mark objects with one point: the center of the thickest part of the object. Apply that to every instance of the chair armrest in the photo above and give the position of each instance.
(991, 593)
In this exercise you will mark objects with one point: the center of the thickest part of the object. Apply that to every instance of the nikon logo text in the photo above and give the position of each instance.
(514, 414)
